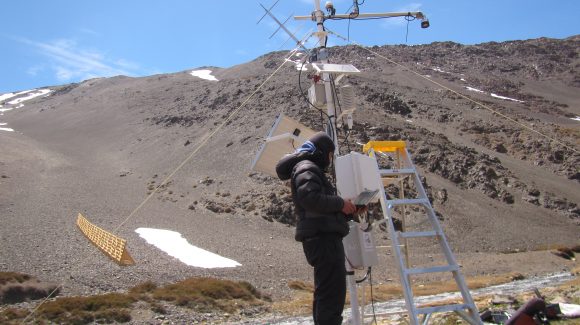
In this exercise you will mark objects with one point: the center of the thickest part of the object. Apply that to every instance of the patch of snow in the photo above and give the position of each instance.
(6, 96)
(298, 65)
(203, 74)
(577, 118)
(20, 93)
(463, 80)
(439, 70)
(398, 305)
(410, 121)
(474, 89)
(172, 243)
(7, 129)
(2, 110)
(33, 94)
(506, 98)
(1, 124)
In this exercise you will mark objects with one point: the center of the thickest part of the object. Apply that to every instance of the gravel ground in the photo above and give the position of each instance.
(97, 146)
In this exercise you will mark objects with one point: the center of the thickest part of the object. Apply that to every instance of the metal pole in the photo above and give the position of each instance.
(332, 132)
(330, 109)
(416, 14)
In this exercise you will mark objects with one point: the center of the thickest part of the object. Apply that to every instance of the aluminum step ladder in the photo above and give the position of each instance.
(403, 168)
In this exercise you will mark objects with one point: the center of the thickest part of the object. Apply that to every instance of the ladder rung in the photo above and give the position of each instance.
(417, 234)
(397, 172)
(433, 269)
(441, 309)
(392, 203)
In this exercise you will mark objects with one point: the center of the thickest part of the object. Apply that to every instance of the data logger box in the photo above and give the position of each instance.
(357, 178)
(317, 94)
(359, 247)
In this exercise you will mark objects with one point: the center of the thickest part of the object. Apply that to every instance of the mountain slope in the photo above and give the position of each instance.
(100, 146)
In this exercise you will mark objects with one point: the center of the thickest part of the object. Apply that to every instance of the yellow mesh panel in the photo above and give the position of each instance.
(111, 245)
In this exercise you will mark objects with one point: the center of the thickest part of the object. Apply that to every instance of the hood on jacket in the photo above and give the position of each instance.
(316, 149)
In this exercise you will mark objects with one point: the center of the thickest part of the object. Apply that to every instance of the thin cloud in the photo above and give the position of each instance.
(70, 62)
(35, 70)
(91, 32)
(241, 52)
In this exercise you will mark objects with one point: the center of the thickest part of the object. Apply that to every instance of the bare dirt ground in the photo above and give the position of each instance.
(505, 195)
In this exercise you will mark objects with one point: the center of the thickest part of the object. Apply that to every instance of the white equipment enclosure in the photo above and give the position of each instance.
(357, 178)
(359, 247)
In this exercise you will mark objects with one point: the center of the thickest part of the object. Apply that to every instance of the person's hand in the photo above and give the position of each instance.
(361, 210)
(348, 207)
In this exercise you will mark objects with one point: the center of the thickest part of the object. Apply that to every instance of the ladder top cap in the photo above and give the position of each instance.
(384, 146)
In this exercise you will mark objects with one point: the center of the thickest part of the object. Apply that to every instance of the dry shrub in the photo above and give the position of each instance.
(300, 285)
(18, 287)
(206, 294)
(300, 304)
(157, 308)
(11, 316)
(15, 293)
(142, 289)
(6, 277)
(107, 308)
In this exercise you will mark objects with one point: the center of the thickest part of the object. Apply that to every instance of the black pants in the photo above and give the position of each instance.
(326, 254)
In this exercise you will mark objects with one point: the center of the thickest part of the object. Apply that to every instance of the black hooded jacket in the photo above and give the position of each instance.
(317, 207)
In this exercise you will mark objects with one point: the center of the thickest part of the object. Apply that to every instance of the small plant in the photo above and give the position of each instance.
(143, 288)
(300, 285)
(6, 277)
(11, 316)
(204, 294)
(18, 287)
(107, 308)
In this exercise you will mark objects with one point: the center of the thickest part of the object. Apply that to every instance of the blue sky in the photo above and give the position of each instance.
(56, 42)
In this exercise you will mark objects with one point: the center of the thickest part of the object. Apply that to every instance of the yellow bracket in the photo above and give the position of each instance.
(111, 245)
(384, 146)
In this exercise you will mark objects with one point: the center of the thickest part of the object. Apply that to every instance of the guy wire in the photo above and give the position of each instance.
(461, 95)
(205, 140)
(200, 145)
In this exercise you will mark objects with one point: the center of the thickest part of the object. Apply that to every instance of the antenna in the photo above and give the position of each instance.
(281, 25)
(290, 37)
(275, 3)
(327, 76)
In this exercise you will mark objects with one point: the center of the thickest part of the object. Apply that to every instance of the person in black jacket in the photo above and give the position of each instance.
(321, 223)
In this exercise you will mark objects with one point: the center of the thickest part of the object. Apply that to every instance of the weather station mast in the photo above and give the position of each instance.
(319, 17)
(360, 179)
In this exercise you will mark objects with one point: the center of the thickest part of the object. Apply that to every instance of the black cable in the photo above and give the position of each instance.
(302, 91)
(332, 129)
(336, 102)
(348, 31)
(365, 277)
(346, 140)
(409, 19)
(372, 298)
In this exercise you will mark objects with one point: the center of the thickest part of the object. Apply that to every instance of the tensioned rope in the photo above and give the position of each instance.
(204, 141)
(196, 150)
(565, 145)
